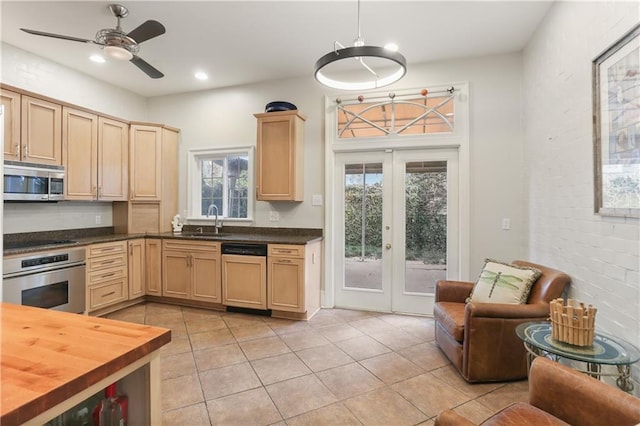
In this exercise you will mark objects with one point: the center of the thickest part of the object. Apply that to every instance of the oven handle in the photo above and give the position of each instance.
(45, 269)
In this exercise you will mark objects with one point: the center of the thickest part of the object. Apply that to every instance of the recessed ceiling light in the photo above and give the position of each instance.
(391, 46)
(201, 75)
(97, 58)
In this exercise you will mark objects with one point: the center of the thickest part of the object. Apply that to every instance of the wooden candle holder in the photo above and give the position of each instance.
(574, 323)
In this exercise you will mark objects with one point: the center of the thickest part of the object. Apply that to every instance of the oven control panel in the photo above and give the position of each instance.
(45, 260)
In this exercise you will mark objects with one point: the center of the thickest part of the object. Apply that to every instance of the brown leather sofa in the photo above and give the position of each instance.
(479, 338)
(559, 395)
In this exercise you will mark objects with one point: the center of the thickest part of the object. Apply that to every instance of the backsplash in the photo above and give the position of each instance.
(35, 217)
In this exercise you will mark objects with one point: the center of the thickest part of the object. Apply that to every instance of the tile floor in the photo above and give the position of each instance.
(342, 367)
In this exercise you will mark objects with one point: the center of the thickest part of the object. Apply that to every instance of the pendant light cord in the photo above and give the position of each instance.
(359, 41)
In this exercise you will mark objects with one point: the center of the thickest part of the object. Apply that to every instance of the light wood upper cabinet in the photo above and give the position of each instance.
(137, 270)
(11, 103)
(153, 181)
(95, 156)
(145, 155)
(41, 131)
(113, 159)
(280, 147)
(80, 147)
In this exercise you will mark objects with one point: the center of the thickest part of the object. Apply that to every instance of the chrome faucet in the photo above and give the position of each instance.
(214, 207)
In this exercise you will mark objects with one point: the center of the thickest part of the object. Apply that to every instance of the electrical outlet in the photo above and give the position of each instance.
(98, 219)
(506, 223)
(274, 216)
(316, 200)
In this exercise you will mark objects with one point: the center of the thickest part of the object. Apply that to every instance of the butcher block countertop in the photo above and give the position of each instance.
(49, 356)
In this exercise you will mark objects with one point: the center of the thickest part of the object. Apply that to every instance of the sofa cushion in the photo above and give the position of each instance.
(450, 315)
(522, 414)
(501, 282)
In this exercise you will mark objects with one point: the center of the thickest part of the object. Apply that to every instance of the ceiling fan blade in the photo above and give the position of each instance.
(146, 31)
(146, 67)
(63, 37)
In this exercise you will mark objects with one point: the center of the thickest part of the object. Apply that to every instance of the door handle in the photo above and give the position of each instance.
(388, 246)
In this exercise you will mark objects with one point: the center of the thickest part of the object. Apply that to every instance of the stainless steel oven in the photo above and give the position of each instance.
(51, 280)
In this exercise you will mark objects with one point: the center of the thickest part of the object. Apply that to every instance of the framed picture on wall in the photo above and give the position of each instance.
(616, 132)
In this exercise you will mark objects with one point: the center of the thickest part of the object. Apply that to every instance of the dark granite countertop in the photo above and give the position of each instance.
(82, 237)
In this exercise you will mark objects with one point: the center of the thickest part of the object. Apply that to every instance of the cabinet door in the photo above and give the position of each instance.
(153, 267)
(286, 284)
(136, 268)
(176, 274)
(169, 205)
(280, 140)
(41, 133)
(145, 153)
(11, 103)
(205, 277)
(244, 281)
(80, 147)
(113, 160)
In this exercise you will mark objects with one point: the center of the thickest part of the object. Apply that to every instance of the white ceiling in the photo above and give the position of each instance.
(239, 42)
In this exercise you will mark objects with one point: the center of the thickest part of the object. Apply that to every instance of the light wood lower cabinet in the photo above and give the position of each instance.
(244, 281)
(137, 270)
(294, 278)
(191, 270)
(107, 275)
(153, 266)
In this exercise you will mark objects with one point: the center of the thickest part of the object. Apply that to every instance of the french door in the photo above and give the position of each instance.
(396, 228)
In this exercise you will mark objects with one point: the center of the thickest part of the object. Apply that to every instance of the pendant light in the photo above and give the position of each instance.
(380, 66)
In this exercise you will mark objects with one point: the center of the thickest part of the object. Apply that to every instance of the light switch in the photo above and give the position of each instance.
(316, 200)
(274, 216)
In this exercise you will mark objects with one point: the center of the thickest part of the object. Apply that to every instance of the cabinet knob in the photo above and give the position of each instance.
(388, 246)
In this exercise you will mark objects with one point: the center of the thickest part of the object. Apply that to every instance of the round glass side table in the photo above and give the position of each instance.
(606, 350)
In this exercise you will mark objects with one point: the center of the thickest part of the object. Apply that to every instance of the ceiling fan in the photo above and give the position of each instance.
(118, 44)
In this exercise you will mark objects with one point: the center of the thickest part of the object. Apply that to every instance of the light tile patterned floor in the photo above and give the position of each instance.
(342, 367)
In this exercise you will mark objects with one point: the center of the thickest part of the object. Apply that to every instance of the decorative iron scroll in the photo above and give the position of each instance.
(407, 114)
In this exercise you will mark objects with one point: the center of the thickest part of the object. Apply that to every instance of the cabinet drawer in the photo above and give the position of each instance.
(110, 274)
(107, 248)
(107, 294)
(279, 250)
(110, 261)
(189, 245)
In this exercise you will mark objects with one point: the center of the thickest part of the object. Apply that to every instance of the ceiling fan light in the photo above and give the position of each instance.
(117, 52)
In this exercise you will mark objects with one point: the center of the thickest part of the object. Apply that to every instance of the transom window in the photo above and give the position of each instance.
(221, 183)
(407, 114)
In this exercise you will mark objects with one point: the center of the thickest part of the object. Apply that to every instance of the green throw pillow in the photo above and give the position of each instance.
(501, 282)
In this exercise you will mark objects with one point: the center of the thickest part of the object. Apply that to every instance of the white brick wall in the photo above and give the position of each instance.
(600, 253)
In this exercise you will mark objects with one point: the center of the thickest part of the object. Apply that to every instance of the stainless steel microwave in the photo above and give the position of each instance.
(33, 182)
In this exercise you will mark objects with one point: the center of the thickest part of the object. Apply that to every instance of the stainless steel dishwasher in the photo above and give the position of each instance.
(244, 276)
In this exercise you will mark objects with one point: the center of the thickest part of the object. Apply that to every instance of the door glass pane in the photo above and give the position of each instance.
(363, 225)
(426, 225)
